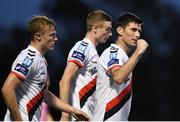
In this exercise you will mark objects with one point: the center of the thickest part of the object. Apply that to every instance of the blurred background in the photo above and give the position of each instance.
(156, 81)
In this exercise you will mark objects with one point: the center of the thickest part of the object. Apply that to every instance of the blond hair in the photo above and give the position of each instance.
(39, 24)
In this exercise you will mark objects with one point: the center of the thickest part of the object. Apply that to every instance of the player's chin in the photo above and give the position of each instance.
(133, 44)
(51, 48)
(102, 41)
(105, 40)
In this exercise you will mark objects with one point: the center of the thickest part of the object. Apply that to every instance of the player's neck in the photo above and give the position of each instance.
(123, 45)
(38, 47)
(92, 39)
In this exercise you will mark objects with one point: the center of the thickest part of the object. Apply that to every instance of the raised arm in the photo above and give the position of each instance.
(121, 74)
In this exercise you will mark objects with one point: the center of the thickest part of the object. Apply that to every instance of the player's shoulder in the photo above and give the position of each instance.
(28, 52)
(24, 61)
(82, 43)
(113, 48)
(81, 46)
(27, 56)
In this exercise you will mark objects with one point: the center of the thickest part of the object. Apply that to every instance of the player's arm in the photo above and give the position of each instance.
(121, 74)
(65, 85)
(57, 103)
(8, 92)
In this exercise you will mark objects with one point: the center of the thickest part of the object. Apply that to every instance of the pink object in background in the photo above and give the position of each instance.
(44, 112)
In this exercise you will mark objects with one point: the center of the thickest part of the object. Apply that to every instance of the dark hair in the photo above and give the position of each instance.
(126, 18)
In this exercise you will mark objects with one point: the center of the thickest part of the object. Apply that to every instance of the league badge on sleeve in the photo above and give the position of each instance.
(113, 58)
(82, 47)
(27, 61)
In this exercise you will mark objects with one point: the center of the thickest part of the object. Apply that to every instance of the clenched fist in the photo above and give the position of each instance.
(141, 46)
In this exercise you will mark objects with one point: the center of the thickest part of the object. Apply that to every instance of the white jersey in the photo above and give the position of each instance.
(113, 99)
(31, 67)
(84, 54)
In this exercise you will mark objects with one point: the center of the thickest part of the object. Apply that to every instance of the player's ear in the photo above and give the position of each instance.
(95, 27)
(37, 36)
(119, 30)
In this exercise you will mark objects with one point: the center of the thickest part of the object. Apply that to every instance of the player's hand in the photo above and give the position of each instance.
(64, 118)
(141, 46)
(80, 116)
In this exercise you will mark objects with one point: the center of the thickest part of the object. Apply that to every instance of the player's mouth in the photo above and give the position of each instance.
(135, 41)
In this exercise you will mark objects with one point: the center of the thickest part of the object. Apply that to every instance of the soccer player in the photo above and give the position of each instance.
(114, 79)
(25, 86)
(79, 79)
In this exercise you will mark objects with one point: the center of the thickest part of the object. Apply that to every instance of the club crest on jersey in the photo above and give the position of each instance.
(40, 84)
(113, 55)
(22, 69)
(27, 62)
(78, 55)
(82, 47)
(93, 71)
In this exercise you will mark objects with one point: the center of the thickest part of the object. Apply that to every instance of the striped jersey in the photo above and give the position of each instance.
(84, 54)
(113, 100)
(31, 67)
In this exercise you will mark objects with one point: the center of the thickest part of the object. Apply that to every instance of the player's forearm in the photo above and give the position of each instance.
(122, 74)
(10, 101)
(57, 103)
(64, 93)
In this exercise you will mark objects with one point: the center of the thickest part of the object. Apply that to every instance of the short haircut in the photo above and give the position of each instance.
(127, 18)
(39, 24)
(96, 17)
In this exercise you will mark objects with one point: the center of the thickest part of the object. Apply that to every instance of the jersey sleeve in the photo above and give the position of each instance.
(114, 60)
(78, 54)
(22, 65)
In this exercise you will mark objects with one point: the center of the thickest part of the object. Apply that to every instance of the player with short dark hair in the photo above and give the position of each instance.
(114, 79)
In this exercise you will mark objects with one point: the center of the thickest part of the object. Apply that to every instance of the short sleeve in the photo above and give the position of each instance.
(114, 60)
(78, 53)
(22, 65)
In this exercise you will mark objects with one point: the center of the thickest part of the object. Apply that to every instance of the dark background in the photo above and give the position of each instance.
(156, 77)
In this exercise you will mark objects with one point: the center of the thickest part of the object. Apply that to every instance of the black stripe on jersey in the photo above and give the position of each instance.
(84, 43)
(31, 113)
(34, 108)
(113, 49)
(116, 108)
(87, 95)
(31, 51)
(31, 54)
